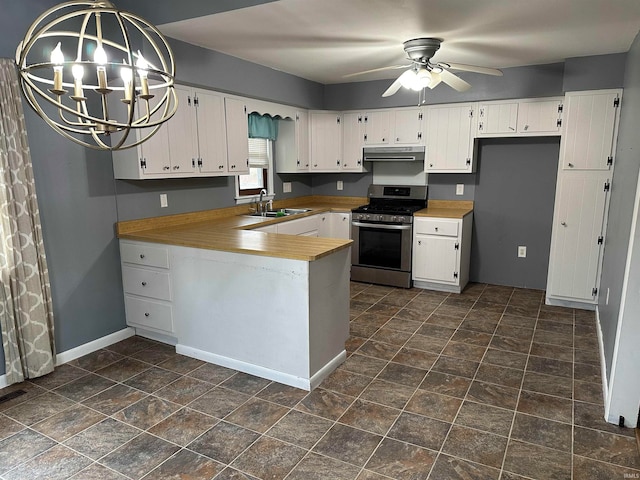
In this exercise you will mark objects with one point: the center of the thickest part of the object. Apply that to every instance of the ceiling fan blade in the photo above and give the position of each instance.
(393, 67)
(393, 88)
(454, 81)
(435, 80)
(472, 68)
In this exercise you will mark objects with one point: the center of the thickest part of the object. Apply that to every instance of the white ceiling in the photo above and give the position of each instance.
(323, 40)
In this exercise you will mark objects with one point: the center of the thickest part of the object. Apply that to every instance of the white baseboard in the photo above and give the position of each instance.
(325, 371)
(94, 345)
(603, 368)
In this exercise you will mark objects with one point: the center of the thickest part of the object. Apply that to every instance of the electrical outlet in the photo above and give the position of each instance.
(460, 189)
(340, 185)
(164, 202)
(522, 251)
(286, 187)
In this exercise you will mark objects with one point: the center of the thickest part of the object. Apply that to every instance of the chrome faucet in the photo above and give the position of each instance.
(261, 206)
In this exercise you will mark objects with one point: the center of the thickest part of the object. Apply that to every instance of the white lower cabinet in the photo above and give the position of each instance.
(147, 287)
(325, 225)
(441, 253)
(307, 226)
(340, 225)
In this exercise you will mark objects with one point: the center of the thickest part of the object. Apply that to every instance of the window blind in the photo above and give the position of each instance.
(259, 152)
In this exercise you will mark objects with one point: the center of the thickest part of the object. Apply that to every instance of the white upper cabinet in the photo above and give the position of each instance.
(352, 141)
(408, 126)
(590, 123)
(326, 141)
(497, 118)
(212, 140)
(292, 145)
(450, 138)
(302, 141)
(183, 133)
(540, 116)
(377, 126)
(237, 136)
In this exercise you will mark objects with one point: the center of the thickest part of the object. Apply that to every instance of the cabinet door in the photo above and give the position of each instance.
(436, 259)
(589, 126)
(324, 225)
(540, 117)
(497, 118)
(302, 141)
(408, 127)
(237, 136)
(183, 133)
(578, 223)
(341, 225)
(377, 125)
(326, 142)
(212, 142)
(154, 153)
(352, 141)
(449, 139)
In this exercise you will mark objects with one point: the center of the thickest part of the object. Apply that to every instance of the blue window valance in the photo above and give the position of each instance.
(263, 126)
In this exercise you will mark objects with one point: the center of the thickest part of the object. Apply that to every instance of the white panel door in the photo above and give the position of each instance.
(377, 126)
(326, 141)
(341, 225)
(408, 127)
(435, 258)
(539, 117)
(578, 223)
(352, 141)
(212, 141)
(497, 118)
(449, 138)
(302, 141)
(183, 133)
(237, 136)
(588, 137)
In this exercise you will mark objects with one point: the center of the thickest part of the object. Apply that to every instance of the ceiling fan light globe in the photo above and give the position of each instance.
(407, 79)
(422, 80)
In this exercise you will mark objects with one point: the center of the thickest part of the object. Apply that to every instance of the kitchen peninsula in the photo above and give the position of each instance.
(272, 305)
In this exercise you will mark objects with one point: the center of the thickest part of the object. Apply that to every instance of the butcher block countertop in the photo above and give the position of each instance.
(446, 209)
(230, 230)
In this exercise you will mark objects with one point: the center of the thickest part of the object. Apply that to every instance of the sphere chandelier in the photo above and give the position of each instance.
(80, 71)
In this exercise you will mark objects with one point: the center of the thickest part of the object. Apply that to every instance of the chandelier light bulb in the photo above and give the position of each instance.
(142, 65)
(78, 72)
(100, 56)
(126, 74)
(57, 57)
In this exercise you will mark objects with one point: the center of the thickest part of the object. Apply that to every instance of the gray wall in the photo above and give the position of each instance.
(594, 72)
(355, 184)
(623, 191)
(514, 197)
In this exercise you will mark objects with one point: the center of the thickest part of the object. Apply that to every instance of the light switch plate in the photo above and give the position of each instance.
(286, 187)
(522, 251)
(460, 189)
(164, 202)
(340, 185)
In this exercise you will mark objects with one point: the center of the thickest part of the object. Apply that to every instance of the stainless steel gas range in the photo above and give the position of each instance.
(382, 233)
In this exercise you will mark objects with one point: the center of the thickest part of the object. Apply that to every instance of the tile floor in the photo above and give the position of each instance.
(490, 384)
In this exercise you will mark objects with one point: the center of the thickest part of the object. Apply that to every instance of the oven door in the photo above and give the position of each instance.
(381, 245)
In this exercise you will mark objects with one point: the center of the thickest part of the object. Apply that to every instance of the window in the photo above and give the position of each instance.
(260, 171)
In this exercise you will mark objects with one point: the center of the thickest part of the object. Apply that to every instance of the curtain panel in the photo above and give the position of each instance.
(26, 314)
(263, 126)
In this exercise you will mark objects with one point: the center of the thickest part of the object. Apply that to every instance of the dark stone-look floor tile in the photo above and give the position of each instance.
(586, 372)
(233, 474)
(186, 464)
(426, 343)
(556, 352)
(515, 332)
(219, 402)
(480, 447)
(363, 365)
(139, 456)
(224, 442)
(595, 470)
(21, 447)
(39, 408)
(184, 426)
(550, 366)
(361, 329)
(451, 311)
(415, 358)
(156, 354)
(123, 369)
(58, 463)
(505, 359)
(456, 366)
(549, 384)
(592, 416)
(606, 447)
(8, 427)
(389, 394)
(184, 390)
(416, 311)
(420, 430)
(153, 379)
(282, 394)
(588, 392)
(114, 399)
(96, 360)
(257, 415)
(383, 351)
(181, 364)
(401, 461)
(450, 468)
(211, 373)
(345, 382)
(62, 374)
(246, 383)
(131, 345)
(473, 338)
(530, 311)
(382, 309)
(348, 444)
(269, 458)
(84, 387)
(510, 344)
(476, 322)
(370, 416)
(68, 422)
(30, 390)
(545, 406)
(318, 467)
(104, 437)
(556, 327)
(369, 475)
(540, 431)
(437, 318)
(403, 325)
(464, 351)
(495, 395)
(437, 331)
(587, 356)
(402, 374)
(460, 301)
(300, 429)
(485, 417)
(147, 412)
(353, 343)
(537, 462)
(446, 384)
(520, 321)
(544, 336)
(434, 405)
(398, 298)
(391, 336)
(97, 472)
(325, 404)
(509, 377)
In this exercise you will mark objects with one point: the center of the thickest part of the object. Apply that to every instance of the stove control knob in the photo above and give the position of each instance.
(401, 219)
(367, 217)
(394, 218)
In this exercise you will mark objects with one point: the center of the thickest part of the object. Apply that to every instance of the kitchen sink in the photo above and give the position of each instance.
(283, 212)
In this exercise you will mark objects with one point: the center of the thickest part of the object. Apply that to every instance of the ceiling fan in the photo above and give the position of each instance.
(423, 73)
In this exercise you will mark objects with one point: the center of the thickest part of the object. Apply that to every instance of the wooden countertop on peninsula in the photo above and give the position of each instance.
(230, 229)
(446, 209)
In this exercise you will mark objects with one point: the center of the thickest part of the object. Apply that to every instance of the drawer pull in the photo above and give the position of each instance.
(436, 229)
(142, 255)
(144, 284)
(147, 314)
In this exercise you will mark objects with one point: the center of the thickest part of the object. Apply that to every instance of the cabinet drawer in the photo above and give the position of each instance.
(143, 254)
(447, 228)
(147, 313)
(147, 283)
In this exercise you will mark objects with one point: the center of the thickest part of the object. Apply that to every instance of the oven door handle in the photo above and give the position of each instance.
(381, 226)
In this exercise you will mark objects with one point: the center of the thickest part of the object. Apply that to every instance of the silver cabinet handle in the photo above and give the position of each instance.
(142, 255)
(381, 226)
(144, 284)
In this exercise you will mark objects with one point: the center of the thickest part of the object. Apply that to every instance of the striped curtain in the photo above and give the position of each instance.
(26, 315)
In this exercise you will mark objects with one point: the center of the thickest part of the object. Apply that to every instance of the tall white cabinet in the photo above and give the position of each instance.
(582, 196)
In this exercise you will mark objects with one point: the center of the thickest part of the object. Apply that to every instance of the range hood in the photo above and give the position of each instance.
(393, 154)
